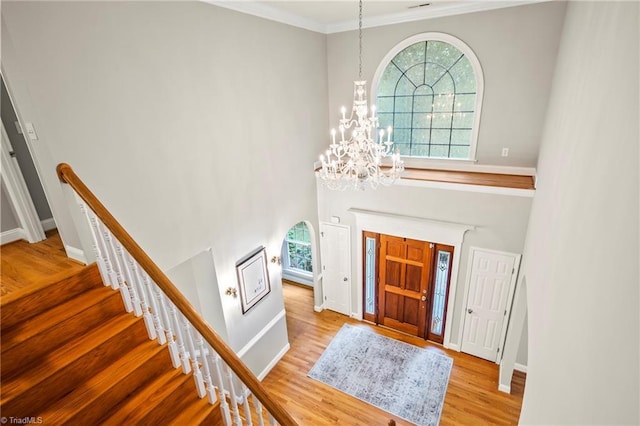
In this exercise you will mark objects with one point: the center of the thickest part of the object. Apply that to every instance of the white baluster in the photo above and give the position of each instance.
(94, 244)
(197, 372)
(184, 357)
(245, 404)
(155, 310)
(233, 397)
(126, 273)
(211, 391)
(112, 278)
(224, 405)
(174, 350)
(124, 289)
(258, 406)
(144, 296)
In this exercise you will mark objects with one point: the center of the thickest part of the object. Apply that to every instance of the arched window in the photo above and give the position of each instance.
(429, 89)
(298, 250)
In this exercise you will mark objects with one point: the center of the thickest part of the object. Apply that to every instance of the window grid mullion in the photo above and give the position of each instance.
(413, 106)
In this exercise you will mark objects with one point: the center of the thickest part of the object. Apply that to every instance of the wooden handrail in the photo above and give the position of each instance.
(68, 176)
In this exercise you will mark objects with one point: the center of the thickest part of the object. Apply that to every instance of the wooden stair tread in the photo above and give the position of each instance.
(134, 409)
(184, 395)
(70, 355)
(199, 413)
(60, 316)
(98, 344)
(108, 387)
(21, 305)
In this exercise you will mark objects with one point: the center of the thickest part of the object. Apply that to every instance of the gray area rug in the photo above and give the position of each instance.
(402, 379)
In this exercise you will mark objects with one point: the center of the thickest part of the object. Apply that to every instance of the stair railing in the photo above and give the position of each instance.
(170, 319)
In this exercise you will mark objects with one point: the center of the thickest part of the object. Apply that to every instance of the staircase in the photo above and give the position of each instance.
(70, 354)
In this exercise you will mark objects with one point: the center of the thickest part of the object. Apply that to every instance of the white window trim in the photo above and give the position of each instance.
(419, 162)
(290, 272)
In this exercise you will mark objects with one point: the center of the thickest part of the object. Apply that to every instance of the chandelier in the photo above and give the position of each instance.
(355, 160)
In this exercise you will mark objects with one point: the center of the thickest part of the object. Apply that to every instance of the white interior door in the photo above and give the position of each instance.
(335, 246)
(490, 289)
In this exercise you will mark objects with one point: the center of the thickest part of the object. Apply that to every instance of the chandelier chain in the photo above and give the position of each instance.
(360, 42)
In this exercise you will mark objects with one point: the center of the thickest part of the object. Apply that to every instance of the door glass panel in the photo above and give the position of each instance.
(440, 291)
(370, 278)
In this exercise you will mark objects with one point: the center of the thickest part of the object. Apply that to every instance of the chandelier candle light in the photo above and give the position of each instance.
(357, 160)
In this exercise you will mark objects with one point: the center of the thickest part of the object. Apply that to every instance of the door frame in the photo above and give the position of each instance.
(449, 233)
(512, 285)
(26, 214)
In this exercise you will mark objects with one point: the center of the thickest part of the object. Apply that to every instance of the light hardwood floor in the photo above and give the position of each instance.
(472, 396)
(23, 265)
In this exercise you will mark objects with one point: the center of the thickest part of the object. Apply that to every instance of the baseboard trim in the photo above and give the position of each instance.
(273, 362)
(504, 388)
(48, 224)
(75, 254)
(261, 333)
(12, 235)
(452, 346)
(519, 367)
(318, 308)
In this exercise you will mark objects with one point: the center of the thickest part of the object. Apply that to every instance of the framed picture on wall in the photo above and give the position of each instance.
(253, 278)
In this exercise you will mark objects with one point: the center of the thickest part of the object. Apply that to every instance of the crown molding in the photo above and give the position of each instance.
(261, 10)
(419, 14)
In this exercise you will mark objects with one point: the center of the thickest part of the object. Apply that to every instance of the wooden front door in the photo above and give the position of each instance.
(403, 288)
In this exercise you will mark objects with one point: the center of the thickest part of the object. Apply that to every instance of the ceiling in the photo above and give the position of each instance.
(342, 15)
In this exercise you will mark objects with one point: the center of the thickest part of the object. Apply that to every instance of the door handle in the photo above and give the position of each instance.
(470, 310)
(423, 298)
(345, 279)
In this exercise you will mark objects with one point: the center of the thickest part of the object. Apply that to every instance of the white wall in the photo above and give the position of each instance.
(195, 131)
(523, 348)
(516, 48)
(8, 220)
(582, 251)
